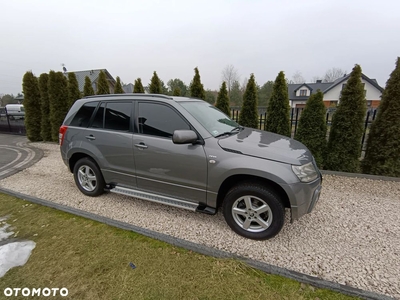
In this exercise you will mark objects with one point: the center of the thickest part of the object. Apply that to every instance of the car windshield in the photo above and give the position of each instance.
(215, 121)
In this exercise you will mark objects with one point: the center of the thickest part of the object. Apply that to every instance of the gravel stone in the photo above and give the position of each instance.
(352, 236)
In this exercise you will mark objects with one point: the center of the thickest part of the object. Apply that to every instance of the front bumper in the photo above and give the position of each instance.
(303, 197)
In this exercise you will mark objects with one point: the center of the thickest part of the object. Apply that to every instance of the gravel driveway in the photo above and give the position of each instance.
(352, 237)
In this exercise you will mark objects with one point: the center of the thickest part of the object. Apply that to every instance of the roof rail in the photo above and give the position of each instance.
(129, 94)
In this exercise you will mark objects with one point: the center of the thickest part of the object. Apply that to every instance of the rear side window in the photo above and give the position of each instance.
(84, 114)
(118, 116)
(159, 120)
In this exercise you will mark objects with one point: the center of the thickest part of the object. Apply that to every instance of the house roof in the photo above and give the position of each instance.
(301, 85)
(325, 86)
(314, 87)
(92, 74)
(338, 81)
(128, 88)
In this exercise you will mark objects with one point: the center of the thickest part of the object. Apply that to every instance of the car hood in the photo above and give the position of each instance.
(267, 145)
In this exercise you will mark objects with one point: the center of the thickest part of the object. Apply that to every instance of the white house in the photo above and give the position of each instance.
(299, 93)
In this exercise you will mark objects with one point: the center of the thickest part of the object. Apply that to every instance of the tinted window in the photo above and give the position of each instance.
(118, 116)
(84, 114)
(99, 117)
(159, 120)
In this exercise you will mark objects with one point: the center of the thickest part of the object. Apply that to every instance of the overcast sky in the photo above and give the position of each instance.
(134, 38)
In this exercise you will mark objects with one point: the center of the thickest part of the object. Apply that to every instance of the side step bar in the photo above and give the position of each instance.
(155, 198)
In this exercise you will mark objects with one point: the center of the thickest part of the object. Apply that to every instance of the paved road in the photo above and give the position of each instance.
(16, 154)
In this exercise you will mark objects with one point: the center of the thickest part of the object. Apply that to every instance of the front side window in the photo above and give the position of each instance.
(159, 120)
(303, 92)
(118, 116)
(82, 117)
(212, 119)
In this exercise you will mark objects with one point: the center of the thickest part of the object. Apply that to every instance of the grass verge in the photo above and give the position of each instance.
(92, 260)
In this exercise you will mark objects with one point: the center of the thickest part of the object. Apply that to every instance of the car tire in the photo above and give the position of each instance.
(253, 211)
(88, 177)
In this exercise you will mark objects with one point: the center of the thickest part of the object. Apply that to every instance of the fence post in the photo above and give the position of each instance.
(365, 130)
(8, 120)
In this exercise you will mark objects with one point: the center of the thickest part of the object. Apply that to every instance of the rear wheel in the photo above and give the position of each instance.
(88, 177)
(254, 211)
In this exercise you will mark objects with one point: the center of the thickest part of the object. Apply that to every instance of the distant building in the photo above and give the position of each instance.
(20, 99)
(299, 93)
(93, 76)
(128, 88)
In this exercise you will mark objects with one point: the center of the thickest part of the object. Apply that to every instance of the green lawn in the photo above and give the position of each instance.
(92, 261)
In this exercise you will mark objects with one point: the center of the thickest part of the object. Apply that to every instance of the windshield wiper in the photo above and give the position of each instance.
(237, 128)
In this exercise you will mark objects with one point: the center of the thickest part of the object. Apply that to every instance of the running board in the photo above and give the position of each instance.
(155, 198)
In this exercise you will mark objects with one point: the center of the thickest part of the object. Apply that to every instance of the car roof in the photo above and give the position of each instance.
(141, 96)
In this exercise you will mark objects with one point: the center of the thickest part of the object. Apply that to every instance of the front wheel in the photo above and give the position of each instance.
(88, 177)
(253, 211)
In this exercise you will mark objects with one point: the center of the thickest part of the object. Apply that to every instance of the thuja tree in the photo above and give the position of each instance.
(177, 92)
(383, 145)
(344, 148)
(73, 89)
(138, 86)
(223, 100)
(88, 88)
(102, 84)
(155, 84)
(118, 87)
(196, 87)
(30, 87)
(312, 127)
(58, 99)
(248, 114)
(278, 111)
(45, 131)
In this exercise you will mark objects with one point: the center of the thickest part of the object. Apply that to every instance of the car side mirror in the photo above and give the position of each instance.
(184, 137)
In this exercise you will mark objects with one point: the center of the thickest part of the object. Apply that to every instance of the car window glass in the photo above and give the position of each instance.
(118, 116)
(99, 117)
(159, 120)
(84, 114)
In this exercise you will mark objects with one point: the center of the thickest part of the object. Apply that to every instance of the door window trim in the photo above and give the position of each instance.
(136, 120)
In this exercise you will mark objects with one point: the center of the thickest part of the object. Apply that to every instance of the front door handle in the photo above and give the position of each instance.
(141, 145)
(90, 137)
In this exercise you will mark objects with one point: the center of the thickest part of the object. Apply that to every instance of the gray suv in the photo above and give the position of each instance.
(186, 153)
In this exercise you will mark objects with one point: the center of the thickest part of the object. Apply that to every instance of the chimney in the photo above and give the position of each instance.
(319, 81)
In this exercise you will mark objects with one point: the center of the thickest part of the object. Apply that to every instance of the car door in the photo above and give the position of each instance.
(162, 167)
(110, 133)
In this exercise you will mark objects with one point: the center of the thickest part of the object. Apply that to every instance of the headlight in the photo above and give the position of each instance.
(305, 173)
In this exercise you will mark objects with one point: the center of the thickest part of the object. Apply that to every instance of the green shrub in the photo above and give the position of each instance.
(118, 87)
(138, 86)
(155, 84)
(278, 111)
(223, 100)
(249, 114)
(58, 99)
(88, 88)
(383, 145)
(312, 127)
(196, 87)
(73, 89)
(344, 148)
(32, 108)
(45, 107)
(102, 85)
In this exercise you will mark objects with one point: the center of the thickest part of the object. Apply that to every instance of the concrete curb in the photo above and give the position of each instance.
(357, 175)
(205, 250)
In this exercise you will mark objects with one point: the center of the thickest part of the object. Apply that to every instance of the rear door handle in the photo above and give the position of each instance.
(141, 146)
(90, 137)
